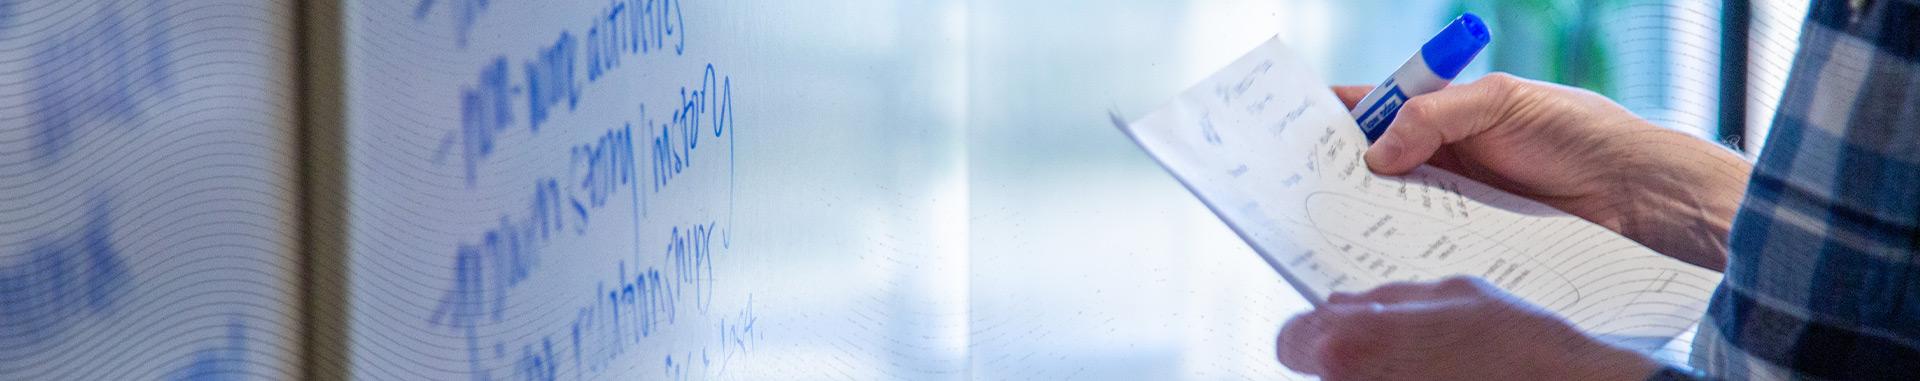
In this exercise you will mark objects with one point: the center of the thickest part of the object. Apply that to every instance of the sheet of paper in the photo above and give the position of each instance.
(1270, 149)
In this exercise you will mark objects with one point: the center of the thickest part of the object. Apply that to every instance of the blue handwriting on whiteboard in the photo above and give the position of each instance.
(633, 27)
(227, 361)
(641, 300)
(710, 103)
(485, 112)
(99, 74)
(62, 279)
(551, 77)
(465, 14)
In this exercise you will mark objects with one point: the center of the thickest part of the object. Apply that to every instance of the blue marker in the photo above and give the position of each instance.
(1428, 71)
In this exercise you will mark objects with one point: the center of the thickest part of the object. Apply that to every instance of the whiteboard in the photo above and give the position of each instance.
(895, 190)
(147, 190)
(648, 189)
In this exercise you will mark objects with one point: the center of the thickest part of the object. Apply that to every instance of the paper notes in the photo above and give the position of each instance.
(1271, 150)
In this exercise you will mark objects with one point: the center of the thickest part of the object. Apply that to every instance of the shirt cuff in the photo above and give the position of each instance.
(1673, 373)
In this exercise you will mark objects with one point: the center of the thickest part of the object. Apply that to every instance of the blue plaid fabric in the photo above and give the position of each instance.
(1823, 281)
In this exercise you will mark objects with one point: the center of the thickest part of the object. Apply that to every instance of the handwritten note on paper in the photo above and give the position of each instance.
(1271, 150)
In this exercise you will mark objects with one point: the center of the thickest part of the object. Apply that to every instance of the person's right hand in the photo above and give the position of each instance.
(1577, 151)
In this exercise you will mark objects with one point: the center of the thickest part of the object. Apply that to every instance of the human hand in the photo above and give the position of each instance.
(1577, 151)
(1455, 329)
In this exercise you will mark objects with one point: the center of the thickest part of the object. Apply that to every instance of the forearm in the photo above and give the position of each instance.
(1679, 194)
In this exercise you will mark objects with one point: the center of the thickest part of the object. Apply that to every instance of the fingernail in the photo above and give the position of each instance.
(1382, 153)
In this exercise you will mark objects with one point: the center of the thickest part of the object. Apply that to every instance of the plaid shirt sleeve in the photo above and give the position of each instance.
(1823, 281)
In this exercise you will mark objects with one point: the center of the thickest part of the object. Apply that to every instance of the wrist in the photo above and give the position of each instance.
(1600, 362)
(1678, 194)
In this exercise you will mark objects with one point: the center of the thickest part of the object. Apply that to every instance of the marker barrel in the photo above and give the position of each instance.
(1430, 70)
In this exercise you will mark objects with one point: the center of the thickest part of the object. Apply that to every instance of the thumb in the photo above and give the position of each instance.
(1429, 121)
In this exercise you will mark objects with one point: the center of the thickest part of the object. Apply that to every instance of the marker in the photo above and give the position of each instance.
(1428, 71)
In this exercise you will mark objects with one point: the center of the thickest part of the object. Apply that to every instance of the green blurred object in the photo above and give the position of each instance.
(1552, 40)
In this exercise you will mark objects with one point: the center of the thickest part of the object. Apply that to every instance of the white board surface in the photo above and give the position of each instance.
(147, 190)
(652, 190)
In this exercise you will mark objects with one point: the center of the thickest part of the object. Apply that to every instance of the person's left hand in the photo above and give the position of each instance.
(1455, 329)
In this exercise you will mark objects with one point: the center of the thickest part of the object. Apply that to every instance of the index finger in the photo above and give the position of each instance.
(1351, 94)
(1429, 121)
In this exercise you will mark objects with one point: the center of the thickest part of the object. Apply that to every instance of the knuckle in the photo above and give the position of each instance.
(1507, 87)
(1458, 283)
(1503, 81)
(1418, 111)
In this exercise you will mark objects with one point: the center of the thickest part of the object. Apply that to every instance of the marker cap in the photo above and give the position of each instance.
(1449, 52)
